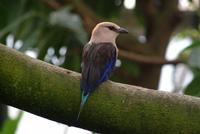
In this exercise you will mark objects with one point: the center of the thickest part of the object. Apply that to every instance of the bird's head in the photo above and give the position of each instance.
(106, 32)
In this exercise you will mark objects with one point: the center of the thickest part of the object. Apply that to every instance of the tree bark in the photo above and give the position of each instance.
(53, 92)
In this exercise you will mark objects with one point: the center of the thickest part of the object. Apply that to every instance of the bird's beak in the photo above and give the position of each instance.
(122, 30)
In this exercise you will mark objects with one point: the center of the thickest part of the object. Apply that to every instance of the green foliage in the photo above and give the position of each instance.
(40, 27)
(192, 33)
(194, 87)
(191, 54)
(193, 60)
(10, 125)
(194, 64)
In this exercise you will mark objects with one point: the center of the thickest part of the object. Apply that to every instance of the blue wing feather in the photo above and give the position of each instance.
(107, 70)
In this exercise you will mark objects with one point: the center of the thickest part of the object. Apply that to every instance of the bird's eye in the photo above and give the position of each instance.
(111, 28)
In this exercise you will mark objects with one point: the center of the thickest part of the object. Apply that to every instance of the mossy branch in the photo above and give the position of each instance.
(53, 92)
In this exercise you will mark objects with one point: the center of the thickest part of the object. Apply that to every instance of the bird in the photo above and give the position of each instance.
(98, 58)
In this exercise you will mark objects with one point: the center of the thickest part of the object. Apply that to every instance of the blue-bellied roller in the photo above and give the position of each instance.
(99, 58)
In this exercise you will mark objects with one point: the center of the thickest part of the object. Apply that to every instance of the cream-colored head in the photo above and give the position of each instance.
(106, 32)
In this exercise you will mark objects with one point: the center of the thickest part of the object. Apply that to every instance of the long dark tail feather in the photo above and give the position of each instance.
(84, 98)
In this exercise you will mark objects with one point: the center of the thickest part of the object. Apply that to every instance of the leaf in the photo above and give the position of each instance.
(194, 87)
(195, 43)
(191, 54)
(10, 125)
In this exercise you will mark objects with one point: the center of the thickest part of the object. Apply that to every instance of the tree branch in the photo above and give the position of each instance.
(53, 92)
(146, 59)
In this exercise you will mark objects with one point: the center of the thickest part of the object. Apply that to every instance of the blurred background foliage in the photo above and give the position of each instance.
(56, 30)
(10, 125)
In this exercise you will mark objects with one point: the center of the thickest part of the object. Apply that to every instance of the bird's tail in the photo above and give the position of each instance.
(84, 98)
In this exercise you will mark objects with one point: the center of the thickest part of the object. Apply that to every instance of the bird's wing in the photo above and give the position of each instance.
(98, 62)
